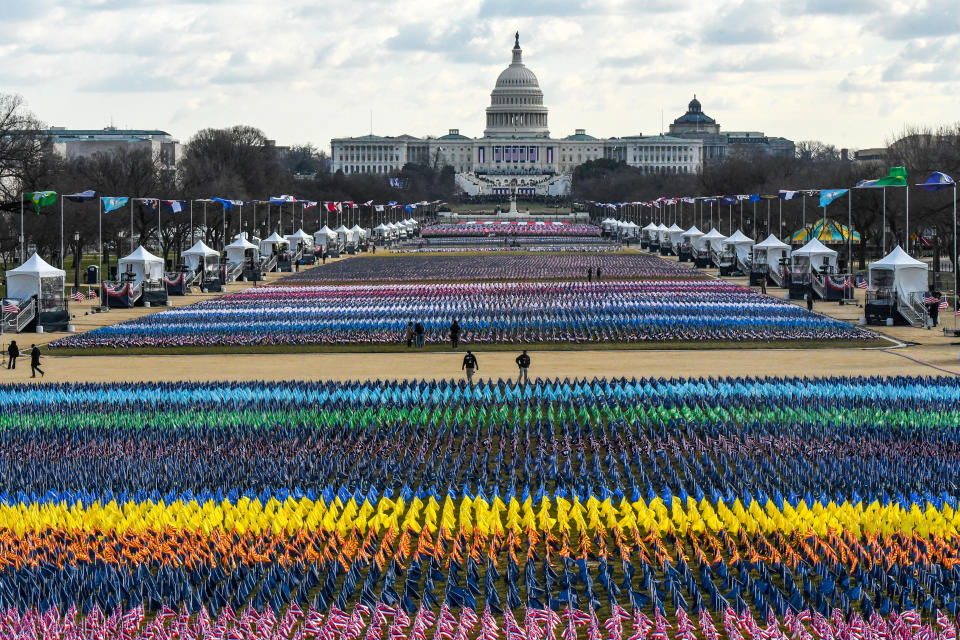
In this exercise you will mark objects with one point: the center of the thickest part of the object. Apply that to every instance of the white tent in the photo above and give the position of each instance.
(273, 244)
(630, 229)
(36, 278)
(381, 231)
(300, 237)
(814, 254)
(142, 264)
(899, 272)
(739, 244)
(240, 249)
(770, 251)
(650, 230)
(345, 235)
(608, 225)
(663, 233)
(201, 254)
(675, 234)
(693, 235)
(358, 232)
(713, 239)
(324, 237)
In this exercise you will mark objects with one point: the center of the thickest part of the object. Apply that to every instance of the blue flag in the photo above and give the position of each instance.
(829, 195)
(110, 204)
(937, 181)
(227, 204)
(83, 196)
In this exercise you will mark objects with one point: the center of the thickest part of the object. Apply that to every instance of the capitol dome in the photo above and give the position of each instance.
(516, 104)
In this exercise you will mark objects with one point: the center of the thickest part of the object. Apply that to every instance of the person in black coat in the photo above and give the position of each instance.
(13, 352)
(523, 362)
(418, 332)
(35, 361)
(934, 308)
(454, 334)
(470, 364)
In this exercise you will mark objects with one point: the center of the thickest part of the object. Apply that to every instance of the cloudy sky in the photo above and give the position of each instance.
(849, 72)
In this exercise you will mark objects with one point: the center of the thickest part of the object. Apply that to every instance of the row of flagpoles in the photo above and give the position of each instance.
(112, 203)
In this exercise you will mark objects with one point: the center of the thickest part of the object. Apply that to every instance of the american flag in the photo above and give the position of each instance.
(10, 307)
(862, 283)
(91, 294)
(943, 304)
(930, 299)
(78, 296)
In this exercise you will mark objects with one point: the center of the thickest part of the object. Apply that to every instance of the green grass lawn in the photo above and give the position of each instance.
(445, 347)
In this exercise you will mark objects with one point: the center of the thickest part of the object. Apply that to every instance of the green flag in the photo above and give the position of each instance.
(897, 178)
(42, 199)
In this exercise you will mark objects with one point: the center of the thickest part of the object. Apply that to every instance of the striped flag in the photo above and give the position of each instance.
(10, 307)
(78, 296)
(91, 294)
(943, 304)
(930, 299)
(862, 283)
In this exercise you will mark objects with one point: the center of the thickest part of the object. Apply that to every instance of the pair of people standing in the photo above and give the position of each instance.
(13, 352)
(415, 333)
(471, 366)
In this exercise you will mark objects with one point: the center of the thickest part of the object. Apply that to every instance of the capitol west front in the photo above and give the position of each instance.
(516, 153)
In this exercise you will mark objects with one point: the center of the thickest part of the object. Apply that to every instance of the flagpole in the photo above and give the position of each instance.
(131, 227)
(21, 227)
(850, 231)
(768, 216)
(755, 219)
(804, 221)
(883, 250)
(159, 232)
(100, 254)
(780, 207)
(191, 223)
(907, 229)
(955, 301)
(206, 229)
(61, 231)
(741, 215)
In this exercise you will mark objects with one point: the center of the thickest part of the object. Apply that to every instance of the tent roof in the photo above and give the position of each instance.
(275, 238)
(380, 227)
(341, 229)
(739, 238)
(771, 242)
(141, 255)
(650, 227)
(36, 266)
(324, 229)
(356, 227)
(630, 225)
(200, 249)
(814, 248)
(608, 221)
(713, 234)
(674, 228)
(662, 227)
(898, 258)
(299, 234)
(242, 243)
(693, 231)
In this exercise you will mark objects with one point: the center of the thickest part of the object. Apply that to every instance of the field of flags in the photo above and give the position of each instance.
(519, 266)
(519, 313)
(504, 228)
(600, 509)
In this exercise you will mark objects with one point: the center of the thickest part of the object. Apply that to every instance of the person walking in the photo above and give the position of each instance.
(13, 352)
(523, 362)
(598, 274)
(470, 364)
(35, 361)
(763, 285)
(408, 337)
(454, 334)
(934, 309)
(589, 274)
(810, 298)
(418, 332)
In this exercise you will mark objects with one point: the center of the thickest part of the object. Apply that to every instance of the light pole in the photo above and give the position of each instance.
(76, 259)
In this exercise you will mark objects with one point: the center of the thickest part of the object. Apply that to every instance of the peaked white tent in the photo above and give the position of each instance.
(713, 239)
(675, 234)
(693, 235)
(36, 278)
(273, 244)
(630, 229)
(201, 255)
(358, 232)
(300, 237)
(344, 235)
(899, 272)
(609, 225)
(324, 236)
(740, 244)
(142, 264)
(770, 251)
(240, 249)
(816, 255)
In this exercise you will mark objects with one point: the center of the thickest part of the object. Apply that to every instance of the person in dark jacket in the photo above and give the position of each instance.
(418, 332)
(409, 335)
(523, 362)
(454, 334)
(810, 298)
(35, 361)
(598, 274)
(934, 308)
(470, 364)
(589, 274)
(13, 352)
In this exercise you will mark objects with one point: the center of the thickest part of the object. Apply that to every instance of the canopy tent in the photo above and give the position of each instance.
(609, 225)
(273, 244)
(663, 233)
(345, 235)
(713, 239)
(359, 232)
(630, 229)
(650, 230)
(830, 233)
(381, 231)
(324, 236)
(899, 272)
(300, 237)
(770, 251)
(740, 244)
(240, 249)
(142, 264)
(695, 237)
(676, 234)
(201, 253)
(814, 254)
(37, 278)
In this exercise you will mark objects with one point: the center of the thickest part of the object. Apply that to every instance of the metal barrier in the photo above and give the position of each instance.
(16, 322)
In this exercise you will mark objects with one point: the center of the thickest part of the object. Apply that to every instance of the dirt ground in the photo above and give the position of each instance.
(924, 352)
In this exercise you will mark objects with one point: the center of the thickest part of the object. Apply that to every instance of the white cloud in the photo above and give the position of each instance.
(846, 71)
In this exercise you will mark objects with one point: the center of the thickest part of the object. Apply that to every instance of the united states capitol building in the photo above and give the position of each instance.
(516, 154)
